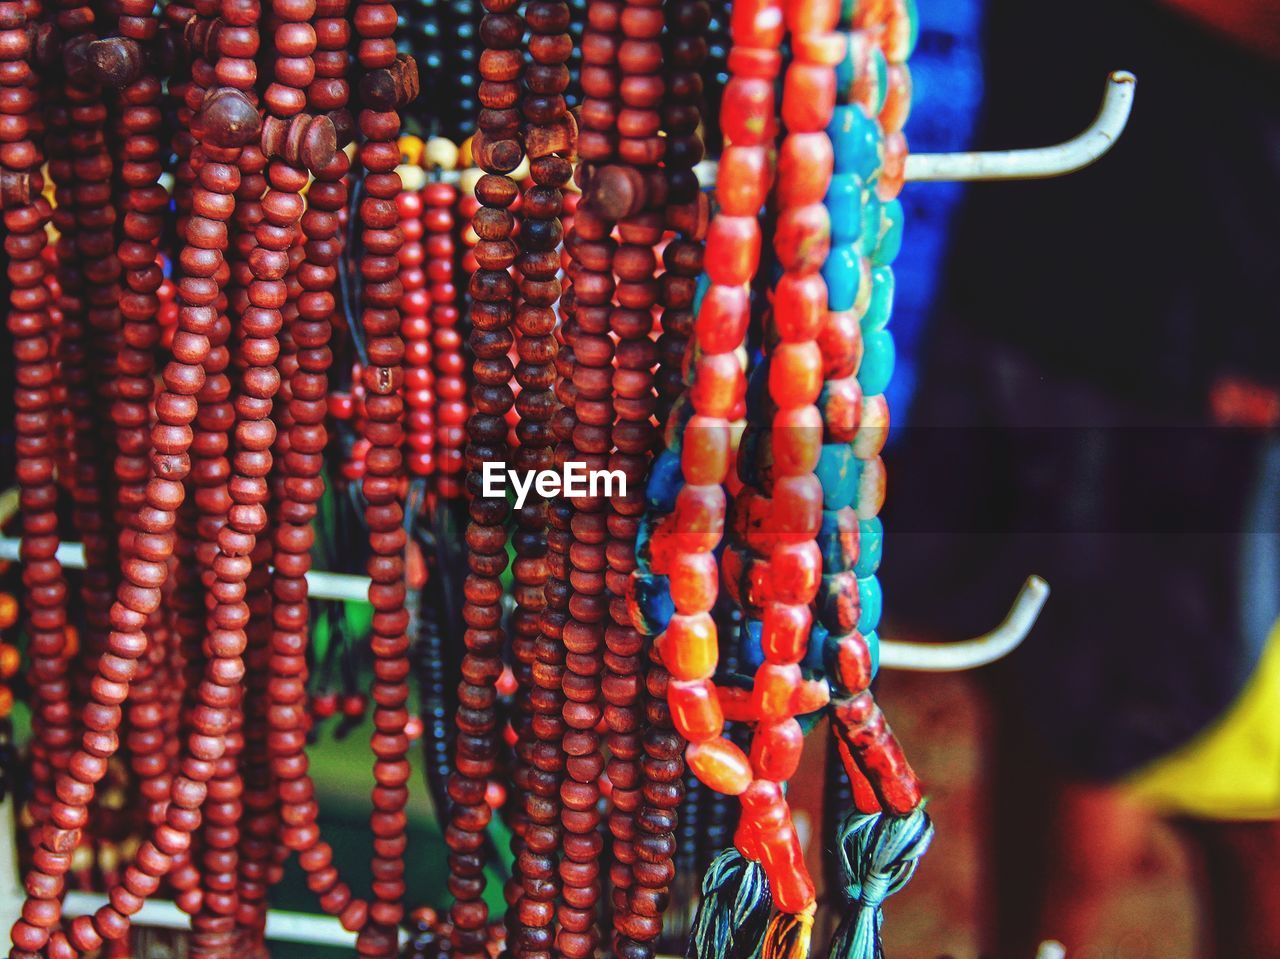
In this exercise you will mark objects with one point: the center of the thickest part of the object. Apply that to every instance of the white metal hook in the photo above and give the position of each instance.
(979, 651)
(1036, 164)
(918, 657)
(1033, 164)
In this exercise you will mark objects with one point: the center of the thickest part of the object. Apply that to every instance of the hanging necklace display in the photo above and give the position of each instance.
(273, 307)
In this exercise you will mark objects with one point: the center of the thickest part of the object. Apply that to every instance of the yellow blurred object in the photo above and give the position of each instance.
(10, 660)
(468, 179)
(82, 857)
(8, 610)
(412, 177)
(441, 153)
(6, 701)
(465, 159)
(521, 172)
(1231, 771)
(411, 149)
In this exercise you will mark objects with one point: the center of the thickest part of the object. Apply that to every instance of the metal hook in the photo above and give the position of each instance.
(979, 651)
(917, 657)
(1036, 164)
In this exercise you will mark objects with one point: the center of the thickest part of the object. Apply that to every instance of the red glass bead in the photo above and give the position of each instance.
(733, 249)
(797, 440)
(795, 570)
(795, 374)
(694, 582)
(721, 765)
(797, 512)
(800, 306)
(783, 859)
(695, 710)
(784, 634)
(808, 99)
(853, 663)
(688, 646)
(757, 23)
(716, 385)
(704, 455)
(723, 318)
(695, 525)
(842, 409)
(774, 685)
(743, 180)
(805, 164)
(776, 749)
(747, 113)
(803, 237)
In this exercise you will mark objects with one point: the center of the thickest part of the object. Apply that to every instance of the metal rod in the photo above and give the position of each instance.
(979, 651)
(1037, 164)
(1034, 164)
(282, 926)
(920, 657)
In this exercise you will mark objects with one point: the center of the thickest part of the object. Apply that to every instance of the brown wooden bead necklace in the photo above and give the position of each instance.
(498, 151)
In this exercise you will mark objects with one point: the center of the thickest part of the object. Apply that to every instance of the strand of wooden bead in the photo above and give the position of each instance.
(588, 431)
(497, 151)
(383, 482)
(311, 331)
(550, 140)
(643, 864)
(446, 342)
(212, 886)
(682, 110)
(77, 148)
(143, 202)
(25, 214)
(419, 377)
(140, 594)
(215, 418)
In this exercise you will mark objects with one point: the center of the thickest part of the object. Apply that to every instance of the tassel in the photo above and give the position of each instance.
(731, 918)
(788, 935)
(878, 856)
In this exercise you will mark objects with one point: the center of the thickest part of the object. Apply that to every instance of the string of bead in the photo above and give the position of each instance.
(549, 137)
(585, 436)
(383, 482)
(867, 222)
(29, 322)
(498, 152)
(200, 493)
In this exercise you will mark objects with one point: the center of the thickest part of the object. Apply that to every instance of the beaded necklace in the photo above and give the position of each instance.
(584, 350)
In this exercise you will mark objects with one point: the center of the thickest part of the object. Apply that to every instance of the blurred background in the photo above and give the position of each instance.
(1087, 391)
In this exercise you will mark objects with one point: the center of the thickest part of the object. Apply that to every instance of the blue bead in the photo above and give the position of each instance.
(890, 244)
(844, 204)
(665, 481)
(872, 209)
(878, 358)
(870, 547)
(880, 307)
(652, 602)
(833, 544)
(872, 604)
(814, 657)
(700, 291)
(751, 447)
(856, 141)
(873, 647)
(845, 76)
(749, 646)
(842, 276)
(838, 471)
